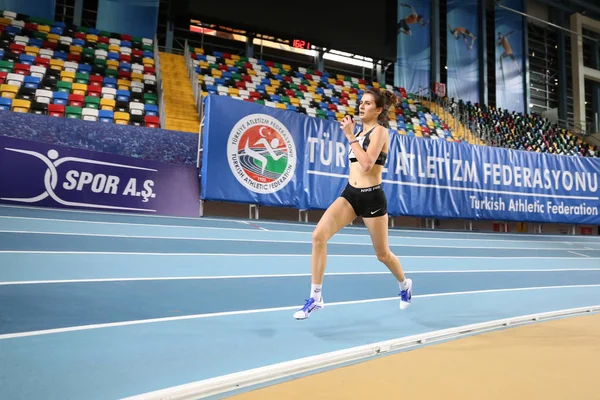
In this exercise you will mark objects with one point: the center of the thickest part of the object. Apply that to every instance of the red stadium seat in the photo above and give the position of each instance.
(151, 121)
(94, 91)
(76, 100)
(56, 110)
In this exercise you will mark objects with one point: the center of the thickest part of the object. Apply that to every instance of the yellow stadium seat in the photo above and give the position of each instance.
(122, 118)
(252, 72)
(112, 64)
(137, 77)
(5, 21)
(79, 88)
(53, 37)
(318, 97)
(107, 104)
(32, 51)
(275, 83)
(351, 111)
(92, 38)
(281, 106)
(43, 28)
(229, 62)
(353, 96)
(57, 64)
(362, 86)
(339, 116)
(332, 80)
(76, 49)
(198, 50)
(287, 67)
(123, 84)
(311, 89)
(270, 90)
(113, 48)
(9, 91)
(21, 106)
(274, 70)
(234, 91)
(235, 57)
(148, 62)
(376, 84)
(67, 76)
(402, 132)
(295, 101)
(203, 64)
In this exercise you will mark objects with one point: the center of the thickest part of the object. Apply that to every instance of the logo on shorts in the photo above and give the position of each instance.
(261, 153)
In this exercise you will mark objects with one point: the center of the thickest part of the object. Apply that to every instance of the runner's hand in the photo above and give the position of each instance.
(347, 124)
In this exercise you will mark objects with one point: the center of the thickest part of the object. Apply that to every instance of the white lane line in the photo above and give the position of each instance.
(265, 222)
(429, 246)
(265, 310)
(124, 253)
(579, 254)
(209, 228)
(290, 275)
(229, 383)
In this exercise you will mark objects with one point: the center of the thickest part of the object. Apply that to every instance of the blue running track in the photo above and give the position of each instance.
(100, 306)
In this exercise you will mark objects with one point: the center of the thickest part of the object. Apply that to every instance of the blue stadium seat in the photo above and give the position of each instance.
(105, 116)
(31, 82)
(151, 109)
(27, 59)
(5, 103)
(110, 82)
(60, 98)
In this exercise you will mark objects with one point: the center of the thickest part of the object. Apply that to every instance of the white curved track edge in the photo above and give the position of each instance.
(226, 383)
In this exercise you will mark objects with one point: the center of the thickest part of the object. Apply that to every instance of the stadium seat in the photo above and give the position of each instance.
(21, 106)
(151, 121)
(121, 118)
(73, 112)
(39, 108)
(5, 103)
(89, 114)
(106, 116)
(10, 91)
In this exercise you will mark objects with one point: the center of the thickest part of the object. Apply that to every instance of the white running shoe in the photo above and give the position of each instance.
(310, 306)
(406, 295)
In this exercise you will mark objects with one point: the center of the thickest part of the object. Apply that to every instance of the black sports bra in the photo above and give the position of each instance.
(364, 142)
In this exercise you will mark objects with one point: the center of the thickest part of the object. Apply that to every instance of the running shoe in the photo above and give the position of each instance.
(406, 296)
(310, 306)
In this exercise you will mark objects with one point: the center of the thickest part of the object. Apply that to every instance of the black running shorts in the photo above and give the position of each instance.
(367, 202)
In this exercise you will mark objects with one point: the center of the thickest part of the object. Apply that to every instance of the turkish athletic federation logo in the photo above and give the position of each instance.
(261, 153)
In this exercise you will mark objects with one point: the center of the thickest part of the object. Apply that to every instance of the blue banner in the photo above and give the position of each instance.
(125, 140)
(43, 175)
(262, 155)
(510, 71)
(33, 8)
(133, 17)
(413, 66)
(462, 50)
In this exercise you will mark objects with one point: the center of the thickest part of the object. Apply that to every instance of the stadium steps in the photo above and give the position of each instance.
(180, 110)
(462, 132)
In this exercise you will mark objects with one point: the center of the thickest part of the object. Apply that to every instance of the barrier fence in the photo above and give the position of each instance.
(259, 155)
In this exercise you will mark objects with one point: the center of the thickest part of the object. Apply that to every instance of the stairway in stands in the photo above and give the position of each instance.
(180, 110)
(462, 132)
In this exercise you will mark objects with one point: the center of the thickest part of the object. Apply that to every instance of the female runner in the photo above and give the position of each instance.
(362, 196)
